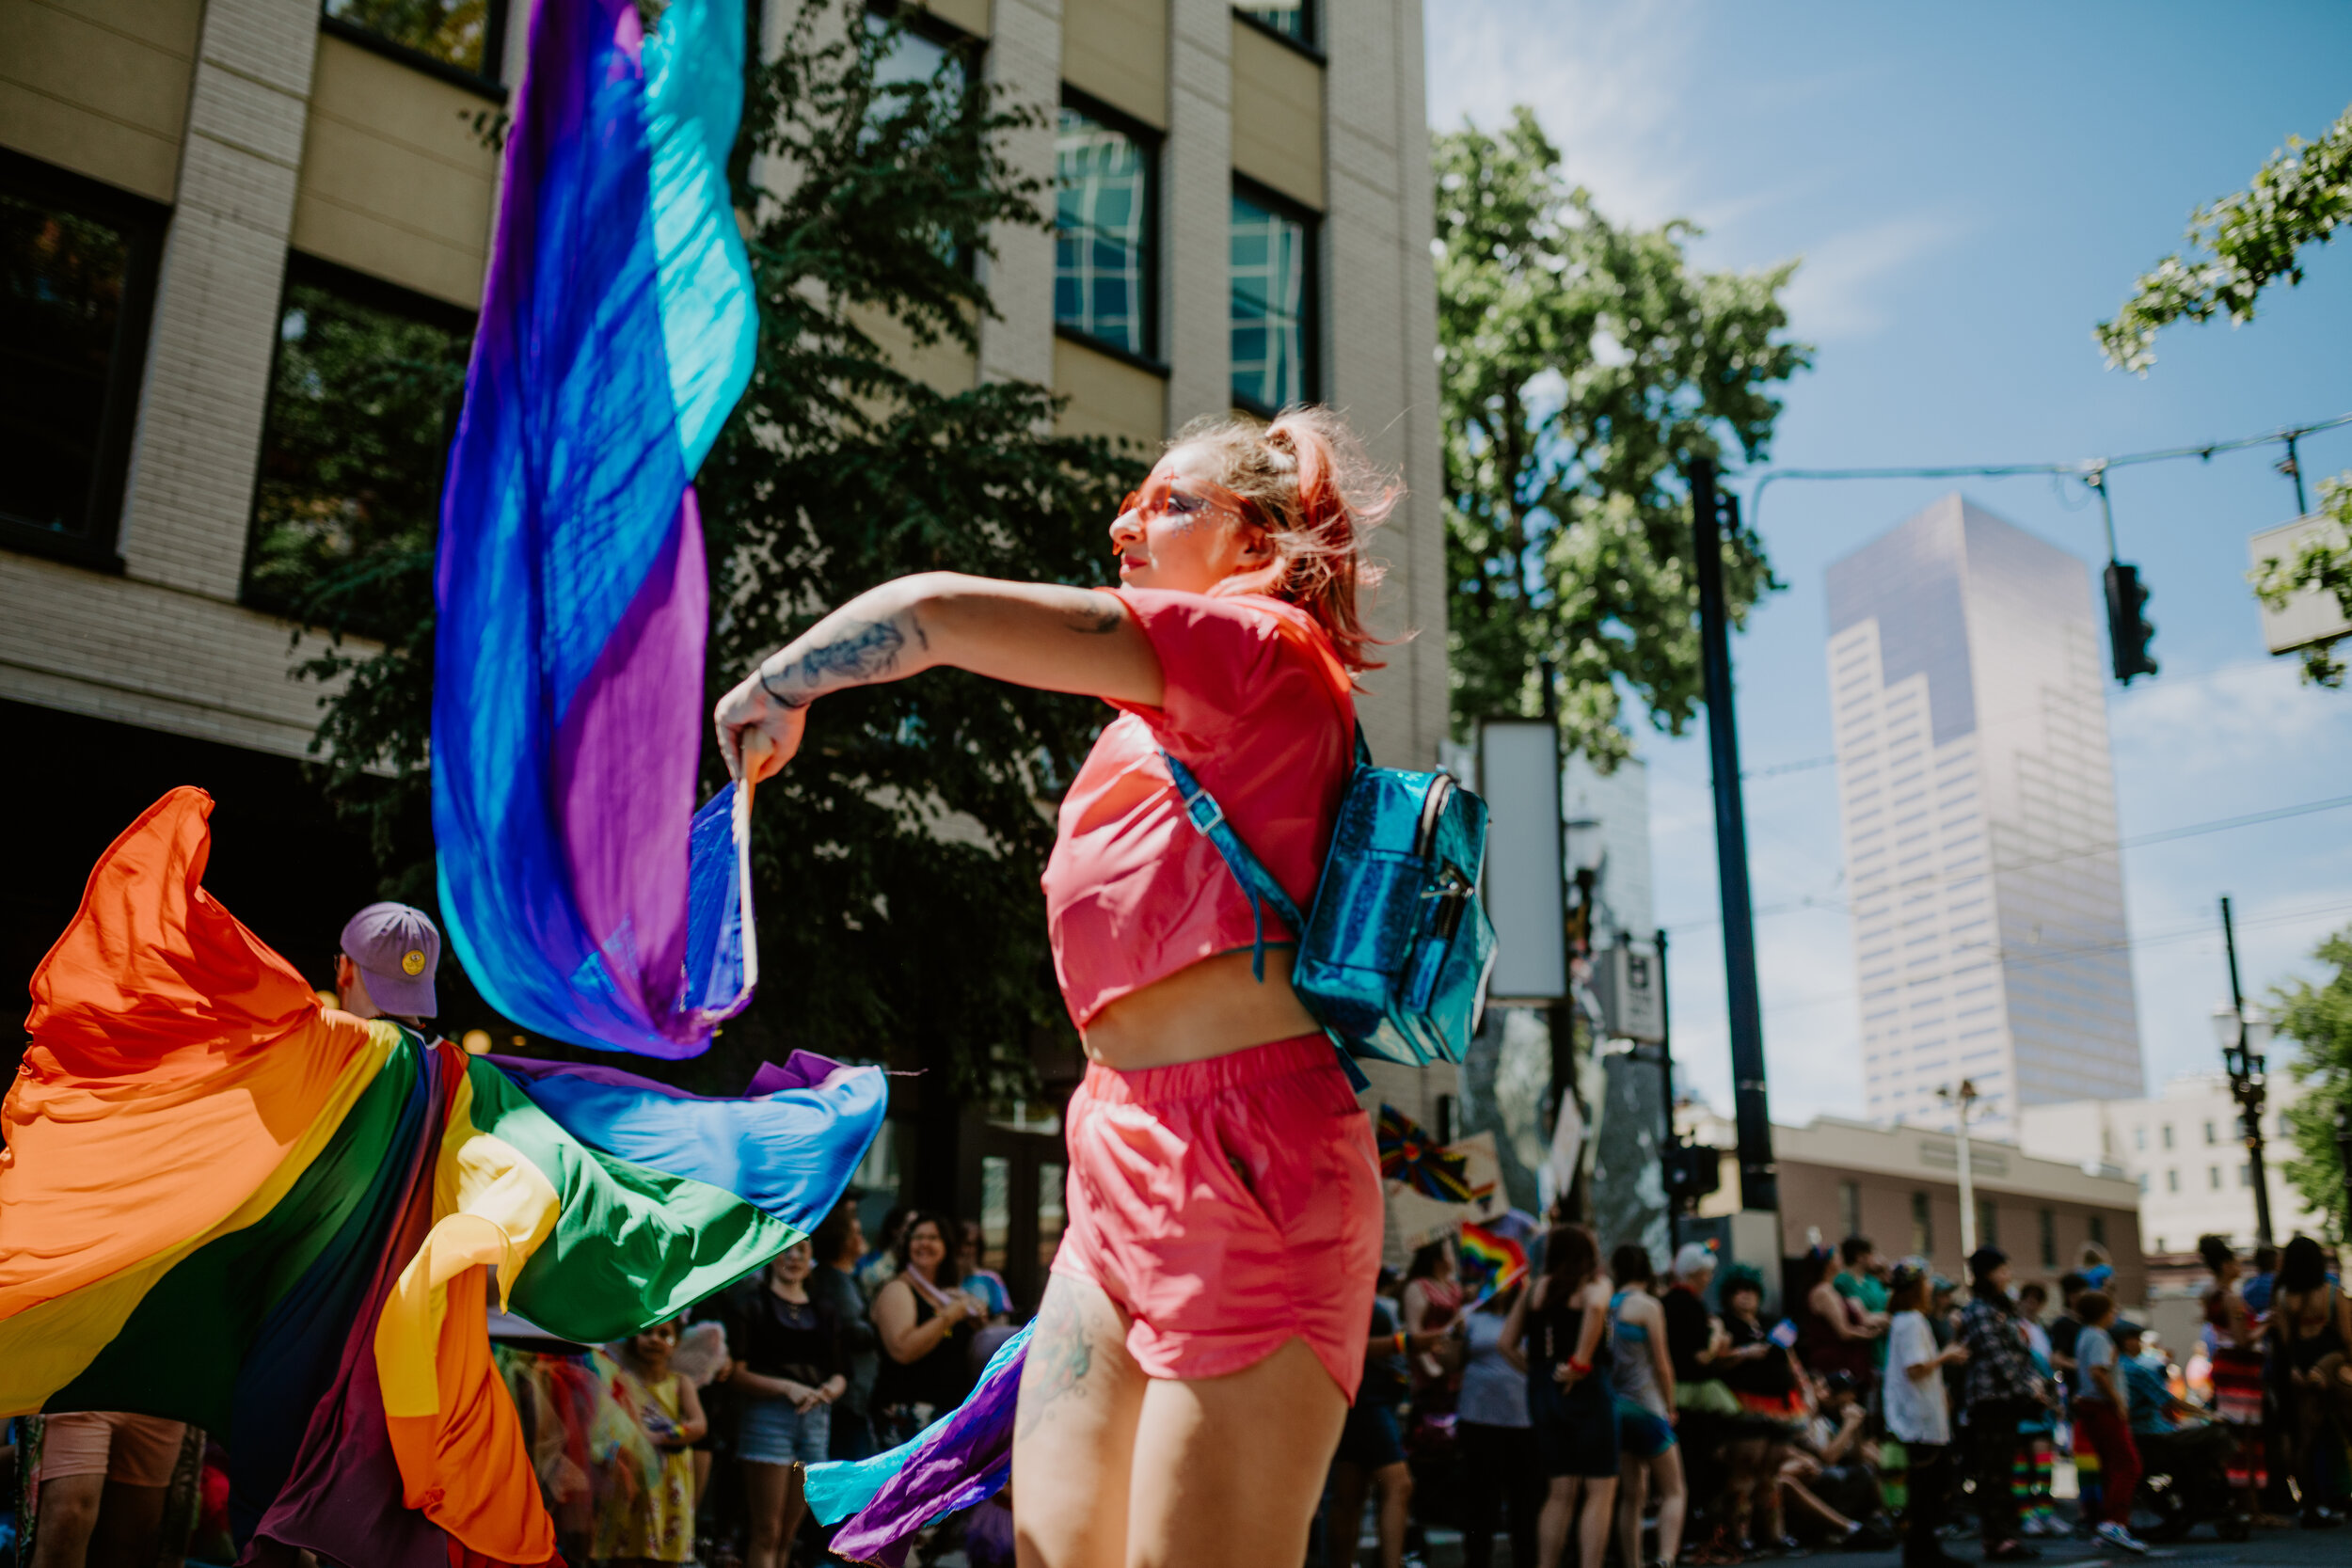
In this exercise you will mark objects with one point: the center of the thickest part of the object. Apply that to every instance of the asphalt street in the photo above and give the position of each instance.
(2289, 1547)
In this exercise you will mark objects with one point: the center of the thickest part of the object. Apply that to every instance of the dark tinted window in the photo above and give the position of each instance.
(462, 33)
(74, 307)
(1102, 256)
(363, 400)
(1272, 295)
(1291, 18)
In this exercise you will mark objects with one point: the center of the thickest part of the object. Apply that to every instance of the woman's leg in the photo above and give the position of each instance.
(1344, 1519)
(1600, 1513)
(1552, 1526)
(766, 1489)
(1223, 1472)
(1073, 1444)
(1483, 1488)
(1395, 1482)
(1632, 1492)
(1674, 1504)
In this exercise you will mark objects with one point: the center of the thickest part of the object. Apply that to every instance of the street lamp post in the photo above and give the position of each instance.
(1961, 1099)
(2343, 1162)
(2243, 1032)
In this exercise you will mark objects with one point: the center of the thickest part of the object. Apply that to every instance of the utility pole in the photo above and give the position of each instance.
(1961, 1099)
(1666, 1081)
(1759, 1179)
(2246, 1085)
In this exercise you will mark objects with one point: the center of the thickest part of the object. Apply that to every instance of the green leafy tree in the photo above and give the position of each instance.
(2237, 248)
(2318, 1017)
(1583, 366)
(896, 861)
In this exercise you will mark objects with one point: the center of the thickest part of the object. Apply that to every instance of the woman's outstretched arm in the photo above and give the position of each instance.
(1035, 634)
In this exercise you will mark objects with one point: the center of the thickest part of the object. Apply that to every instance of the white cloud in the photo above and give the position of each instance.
(1837, 291)
(1605, 80)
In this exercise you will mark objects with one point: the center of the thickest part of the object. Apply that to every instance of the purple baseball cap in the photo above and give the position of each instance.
(398, 949)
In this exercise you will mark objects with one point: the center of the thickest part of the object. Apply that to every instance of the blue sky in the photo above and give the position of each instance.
(1972, 188)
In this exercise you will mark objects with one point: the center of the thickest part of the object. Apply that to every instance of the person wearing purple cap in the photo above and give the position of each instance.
(390, 953)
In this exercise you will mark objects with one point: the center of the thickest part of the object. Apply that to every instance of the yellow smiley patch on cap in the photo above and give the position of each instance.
(413, 961)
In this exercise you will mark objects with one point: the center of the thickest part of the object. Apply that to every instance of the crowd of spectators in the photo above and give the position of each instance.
(1577, 1408)
(1593, 1406)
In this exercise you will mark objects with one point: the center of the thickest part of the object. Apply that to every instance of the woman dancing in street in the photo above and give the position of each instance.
(1204, 1329)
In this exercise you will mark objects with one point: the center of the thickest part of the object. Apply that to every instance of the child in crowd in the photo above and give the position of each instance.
(1918, 1414)
(2037, 1510)
(653, 1522)
(2103, 1420)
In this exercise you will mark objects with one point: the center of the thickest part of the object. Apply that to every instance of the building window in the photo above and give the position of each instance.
(2209, 1138)
(1274, 284)
(1922, 1227)
(2167, 1134)
(1106, 274)
(2099, 1230)
(80, 261)
(2049, 1239)
(1849, 1209)
(2213, 1179)
(2172, 1181)
(2139, 1139)
(1051, 1215)
(1292, 19)
(1988, 1222)
(2245, 1176)
(2143, 1183)
(364, 396)
(467, 33)
(995, 1209)
(917, 50)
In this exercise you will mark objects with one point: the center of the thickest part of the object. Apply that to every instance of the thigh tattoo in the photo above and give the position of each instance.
(1061, 1353)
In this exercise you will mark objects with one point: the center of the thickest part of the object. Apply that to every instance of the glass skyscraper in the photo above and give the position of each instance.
(1979, 806)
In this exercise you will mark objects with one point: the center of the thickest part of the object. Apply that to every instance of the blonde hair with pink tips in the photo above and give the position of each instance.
(1306, 481)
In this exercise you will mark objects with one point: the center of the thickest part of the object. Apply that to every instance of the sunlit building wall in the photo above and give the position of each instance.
(1977, 802)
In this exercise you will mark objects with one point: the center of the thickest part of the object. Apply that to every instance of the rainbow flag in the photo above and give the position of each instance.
(1411, 1155)
(1490, 1262)
(586, 897)
(226, 1203)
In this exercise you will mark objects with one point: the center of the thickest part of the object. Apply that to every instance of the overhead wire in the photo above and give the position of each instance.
(2104, 846)
(2092, 471)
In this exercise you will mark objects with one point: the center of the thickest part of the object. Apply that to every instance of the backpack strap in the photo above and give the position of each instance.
(1257, 883)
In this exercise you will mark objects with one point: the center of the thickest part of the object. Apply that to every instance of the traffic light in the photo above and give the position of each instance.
(1691, 1171)
(2129, 630)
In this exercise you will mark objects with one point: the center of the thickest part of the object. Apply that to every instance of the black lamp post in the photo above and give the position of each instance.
(2242, 1033)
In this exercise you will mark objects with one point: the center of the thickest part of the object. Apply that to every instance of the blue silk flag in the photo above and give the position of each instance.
(585, 895)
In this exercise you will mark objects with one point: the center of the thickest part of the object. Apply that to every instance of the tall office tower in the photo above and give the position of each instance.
(1979, 805)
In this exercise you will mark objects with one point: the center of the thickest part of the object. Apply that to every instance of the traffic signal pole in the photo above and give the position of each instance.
(1759, 1179)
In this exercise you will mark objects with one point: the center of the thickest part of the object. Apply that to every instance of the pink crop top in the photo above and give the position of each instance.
(1261, 709)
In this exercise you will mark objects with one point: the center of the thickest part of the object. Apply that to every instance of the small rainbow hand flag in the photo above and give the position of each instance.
(1490, 1262)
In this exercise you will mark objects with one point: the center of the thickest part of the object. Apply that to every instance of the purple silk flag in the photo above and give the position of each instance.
(585, 895)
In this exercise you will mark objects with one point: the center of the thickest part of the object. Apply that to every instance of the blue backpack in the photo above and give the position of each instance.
(1393, 960)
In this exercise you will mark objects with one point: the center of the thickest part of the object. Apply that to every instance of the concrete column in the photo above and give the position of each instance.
(1380, 336)
(1197, 174)
(1024, 67)
(207, 385)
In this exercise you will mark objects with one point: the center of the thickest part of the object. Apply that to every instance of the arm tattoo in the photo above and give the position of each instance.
(1060, 1359)
(1098, 621)
(861, 652)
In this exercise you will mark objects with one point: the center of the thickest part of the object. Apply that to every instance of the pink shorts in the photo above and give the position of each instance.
(1228, 1206)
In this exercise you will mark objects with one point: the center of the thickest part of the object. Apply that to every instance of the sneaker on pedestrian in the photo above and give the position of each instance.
(2123, 1540)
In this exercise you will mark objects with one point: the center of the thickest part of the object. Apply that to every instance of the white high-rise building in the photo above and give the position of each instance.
(1979, 807)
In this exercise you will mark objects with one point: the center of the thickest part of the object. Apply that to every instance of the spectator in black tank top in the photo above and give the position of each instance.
(1563, 1320)
(789, 1367)
(926, 1323)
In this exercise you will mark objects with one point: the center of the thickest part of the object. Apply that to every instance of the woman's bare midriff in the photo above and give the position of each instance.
(1210, 1008)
